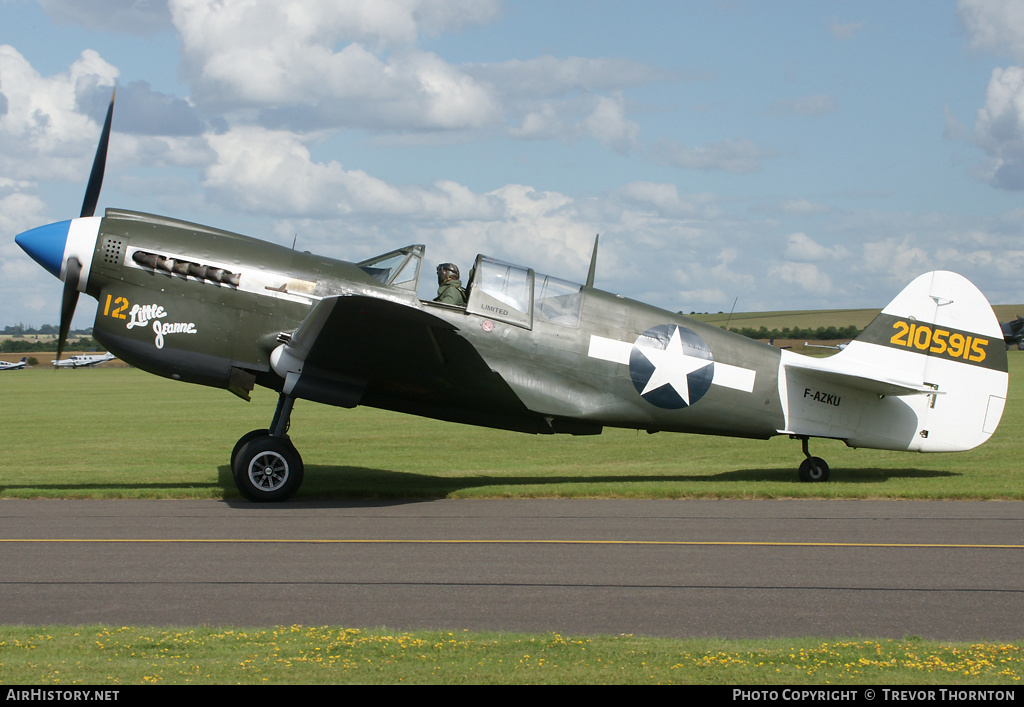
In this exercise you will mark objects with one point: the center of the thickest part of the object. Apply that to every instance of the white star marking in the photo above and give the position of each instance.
(616, 351)
(671, 366)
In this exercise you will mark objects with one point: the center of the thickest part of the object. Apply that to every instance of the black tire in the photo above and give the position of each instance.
(267, 469)
(247, 437)
(814, 470)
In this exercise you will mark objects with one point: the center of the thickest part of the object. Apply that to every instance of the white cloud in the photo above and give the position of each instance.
(723, 272)
(666, 202)
(541, 124)
(999, 128)
(899, 257)
(994, 25)
(379, 23)
(20, 208)
(807, 276)
(44, 134)
(308, 65)
(609, 125)
(541, 228)
(600, 117)
(272, 172)
(802, 248)
(997, 26)
(283, 54)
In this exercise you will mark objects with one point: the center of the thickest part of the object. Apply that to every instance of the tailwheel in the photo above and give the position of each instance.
(267, 468)
(813, 469)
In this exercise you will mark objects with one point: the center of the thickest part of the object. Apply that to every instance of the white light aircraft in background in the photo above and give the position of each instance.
(5, 366)
(84, 360)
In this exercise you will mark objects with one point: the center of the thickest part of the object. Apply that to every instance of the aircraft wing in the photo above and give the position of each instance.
(354, 350)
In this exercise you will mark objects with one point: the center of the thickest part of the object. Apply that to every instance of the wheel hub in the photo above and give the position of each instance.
(268, 471)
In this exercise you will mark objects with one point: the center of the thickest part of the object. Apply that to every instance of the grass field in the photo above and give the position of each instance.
(121, 433)
(113, 433)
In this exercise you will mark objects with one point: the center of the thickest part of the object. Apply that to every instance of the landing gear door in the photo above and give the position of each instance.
(501, 291)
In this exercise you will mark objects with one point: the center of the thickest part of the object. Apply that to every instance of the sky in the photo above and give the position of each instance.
(811, 154)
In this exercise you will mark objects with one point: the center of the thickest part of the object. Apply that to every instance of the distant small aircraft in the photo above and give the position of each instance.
(83, 361)
(1013, 332)
(528, 352)
(4, 366)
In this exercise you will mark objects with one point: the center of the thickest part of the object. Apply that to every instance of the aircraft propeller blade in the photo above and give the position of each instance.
(73, 269)
(92, 191)
(68, 302)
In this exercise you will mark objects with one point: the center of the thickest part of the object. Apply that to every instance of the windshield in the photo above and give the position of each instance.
(399, 268)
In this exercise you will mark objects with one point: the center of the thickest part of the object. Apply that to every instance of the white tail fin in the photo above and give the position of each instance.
(928, 374)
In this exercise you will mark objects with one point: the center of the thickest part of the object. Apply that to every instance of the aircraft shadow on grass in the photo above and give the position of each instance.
(362, 482)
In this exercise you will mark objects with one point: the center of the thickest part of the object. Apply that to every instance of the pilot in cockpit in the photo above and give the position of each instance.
(449, 286)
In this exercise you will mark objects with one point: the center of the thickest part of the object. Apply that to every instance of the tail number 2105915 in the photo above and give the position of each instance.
(939, 341)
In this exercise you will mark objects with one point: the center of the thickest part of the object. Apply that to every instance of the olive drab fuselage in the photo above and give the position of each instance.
(186, 327)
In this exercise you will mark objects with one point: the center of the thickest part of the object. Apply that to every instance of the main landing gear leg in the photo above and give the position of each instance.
(265, 463)
(812, 468)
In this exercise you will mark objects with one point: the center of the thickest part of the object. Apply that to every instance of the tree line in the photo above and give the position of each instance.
(22, 341)
(21, 329)
(819, 334)
(24, 346)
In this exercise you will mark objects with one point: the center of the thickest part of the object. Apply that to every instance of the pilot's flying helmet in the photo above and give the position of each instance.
(447, 271)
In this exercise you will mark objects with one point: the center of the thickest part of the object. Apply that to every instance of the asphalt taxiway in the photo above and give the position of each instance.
(940, 570)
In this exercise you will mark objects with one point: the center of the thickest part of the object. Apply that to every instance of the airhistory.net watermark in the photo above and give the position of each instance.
(48, 695)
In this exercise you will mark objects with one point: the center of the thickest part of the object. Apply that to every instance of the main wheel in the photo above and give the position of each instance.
(813, 469)
(267, 469)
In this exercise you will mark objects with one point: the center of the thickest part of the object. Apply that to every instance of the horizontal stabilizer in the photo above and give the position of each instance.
(877, 382)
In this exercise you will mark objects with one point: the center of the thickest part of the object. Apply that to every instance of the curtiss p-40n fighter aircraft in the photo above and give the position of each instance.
(528, 352)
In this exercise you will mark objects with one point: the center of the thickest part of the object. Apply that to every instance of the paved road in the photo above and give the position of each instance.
(943, 570)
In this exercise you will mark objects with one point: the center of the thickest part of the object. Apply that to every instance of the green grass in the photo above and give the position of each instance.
(121, 433)
(105, 656)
